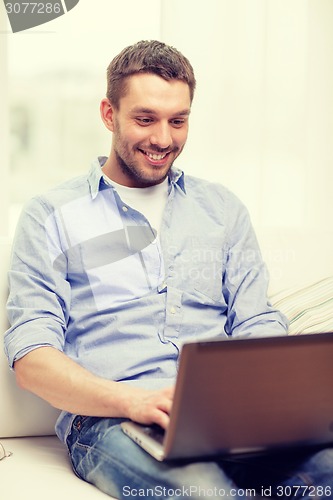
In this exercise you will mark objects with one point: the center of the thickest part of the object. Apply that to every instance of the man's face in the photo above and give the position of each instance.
(149, 130)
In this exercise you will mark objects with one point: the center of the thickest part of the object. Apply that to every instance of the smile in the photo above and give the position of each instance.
(155, 156)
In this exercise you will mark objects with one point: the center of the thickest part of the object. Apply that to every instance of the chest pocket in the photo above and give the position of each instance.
(198, 269)
(207, 273)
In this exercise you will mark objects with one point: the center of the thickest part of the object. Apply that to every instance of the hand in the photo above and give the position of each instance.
(151, 407)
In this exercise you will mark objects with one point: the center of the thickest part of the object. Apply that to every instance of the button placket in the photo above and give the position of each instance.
(174, 314)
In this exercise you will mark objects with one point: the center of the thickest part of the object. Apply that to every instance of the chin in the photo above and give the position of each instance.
(144, 175)
(155, 179)
(147, 182)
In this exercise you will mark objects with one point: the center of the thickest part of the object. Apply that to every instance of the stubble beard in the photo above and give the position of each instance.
(138, 175)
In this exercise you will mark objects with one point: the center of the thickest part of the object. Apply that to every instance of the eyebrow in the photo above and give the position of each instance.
(148, 111)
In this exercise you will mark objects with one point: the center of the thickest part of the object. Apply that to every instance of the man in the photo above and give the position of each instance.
(113, 271)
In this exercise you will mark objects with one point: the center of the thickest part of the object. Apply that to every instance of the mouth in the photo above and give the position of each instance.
(155, 158)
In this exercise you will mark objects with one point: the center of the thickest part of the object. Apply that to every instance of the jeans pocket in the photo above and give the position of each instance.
(78, 423)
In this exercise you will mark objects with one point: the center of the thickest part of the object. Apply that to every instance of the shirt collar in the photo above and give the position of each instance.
(177, 177)
(95, 176)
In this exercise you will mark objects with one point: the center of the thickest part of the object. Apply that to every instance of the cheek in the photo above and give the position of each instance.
(137, 136)
(181, 138)
(129, 133)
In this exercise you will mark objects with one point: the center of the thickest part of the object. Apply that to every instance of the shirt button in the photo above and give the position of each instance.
(125, 209)
(173, 310)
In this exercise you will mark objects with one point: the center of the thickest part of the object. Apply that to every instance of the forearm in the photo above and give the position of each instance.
(56, 378)
(53, 376)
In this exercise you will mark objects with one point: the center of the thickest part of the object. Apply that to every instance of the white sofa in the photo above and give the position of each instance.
(301, 268)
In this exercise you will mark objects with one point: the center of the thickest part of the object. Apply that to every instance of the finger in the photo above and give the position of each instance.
(165, 405)
(162, 419)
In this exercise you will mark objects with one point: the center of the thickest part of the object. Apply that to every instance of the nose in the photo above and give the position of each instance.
(161, 135)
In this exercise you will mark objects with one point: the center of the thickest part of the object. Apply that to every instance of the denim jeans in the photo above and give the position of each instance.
(103, 455)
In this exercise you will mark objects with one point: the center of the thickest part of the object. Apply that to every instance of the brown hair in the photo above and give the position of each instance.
(147, 57)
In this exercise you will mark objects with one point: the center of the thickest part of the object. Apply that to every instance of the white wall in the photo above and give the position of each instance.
(4, 229)
(3, 134)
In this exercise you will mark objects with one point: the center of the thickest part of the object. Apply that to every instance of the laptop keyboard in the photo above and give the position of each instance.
(155, 432)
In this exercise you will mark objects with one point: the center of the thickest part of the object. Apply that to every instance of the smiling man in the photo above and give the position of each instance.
(113, 271)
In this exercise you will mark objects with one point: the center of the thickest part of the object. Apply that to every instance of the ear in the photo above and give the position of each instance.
(106, 111)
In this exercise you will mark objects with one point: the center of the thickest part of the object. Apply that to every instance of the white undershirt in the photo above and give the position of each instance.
(150, 201)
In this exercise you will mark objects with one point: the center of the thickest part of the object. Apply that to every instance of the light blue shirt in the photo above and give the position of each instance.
(90, 277)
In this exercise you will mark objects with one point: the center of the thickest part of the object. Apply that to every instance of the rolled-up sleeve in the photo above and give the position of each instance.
(39, 296)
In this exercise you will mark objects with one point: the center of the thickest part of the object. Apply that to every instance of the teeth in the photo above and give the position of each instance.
(155, 156)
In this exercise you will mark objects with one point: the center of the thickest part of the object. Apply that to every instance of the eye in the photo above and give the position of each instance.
(144, 121)
(178, 122)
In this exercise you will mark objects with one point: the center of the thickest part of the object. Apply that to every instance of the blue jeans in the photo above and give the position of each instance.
(103, 455)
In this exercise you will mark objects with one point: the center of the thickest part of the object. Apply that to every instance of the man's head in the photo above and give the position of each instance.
(147, 57)
(148, 103)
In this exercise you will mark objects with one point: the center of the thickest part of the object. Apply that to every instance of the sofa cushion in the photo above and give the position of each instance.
(22, 413)
(309, 308)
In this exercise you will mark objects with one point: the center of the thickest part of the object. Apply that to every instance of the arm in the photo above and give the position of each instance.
(53, 376)
(245, 282)
(39, 308)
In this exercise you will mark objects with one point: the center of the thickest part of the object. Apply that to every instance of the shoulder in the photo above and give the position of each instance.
(61, 194)
(45, 207)
(220, 204)
(214, 193)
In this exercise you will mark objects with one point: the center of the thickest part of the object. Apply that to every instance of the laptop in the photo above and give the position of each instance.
(245, 396)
